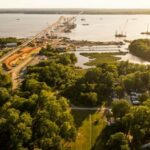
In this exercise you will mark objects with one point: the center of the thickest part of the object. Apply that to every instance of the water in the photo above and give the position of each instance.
(103, 27)
(133, 59)
(127, 57)
(100, 28)
(27, 26)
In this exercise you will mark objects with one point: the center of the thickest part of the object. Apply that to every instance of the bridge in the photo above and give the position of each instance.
(61, 25)
(18, 58)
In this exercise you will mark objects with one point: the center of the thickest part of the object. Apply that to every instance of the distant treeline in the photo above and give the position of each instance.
(76, 11)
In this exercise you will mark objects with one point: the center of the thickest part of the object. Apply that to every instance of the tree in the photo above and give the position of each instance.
(117, 141)
(147, 103)
(15, 129)
(140, 48)
(137, 122)
(42, 121)
(67, 59)
(90, 98)
(4, 95)
(119, 90)
(120, 108)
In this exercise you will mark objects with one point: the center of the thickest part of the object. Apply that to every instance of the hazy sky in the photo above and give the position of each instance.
(74, 3)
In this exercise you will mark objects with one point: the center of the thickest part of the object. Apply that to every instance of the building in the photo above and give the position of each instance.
(134, 97)
(11, 44)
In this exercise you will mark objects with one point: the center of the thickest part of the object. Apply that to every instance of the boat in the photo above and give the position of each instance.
(82, 19)
(134, 19)
(85, 24)
(147, 32)
(121, 34)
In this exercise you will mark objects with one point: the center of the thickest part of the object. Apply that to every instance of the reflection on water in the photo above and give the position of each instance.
(127, 57)
(100, 28)
(81, 61)
(104, 29)
(133, 59)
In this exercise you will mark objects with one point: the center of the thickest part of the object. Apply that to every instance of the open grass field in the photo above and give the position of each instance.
(90, 125)
(98, 58)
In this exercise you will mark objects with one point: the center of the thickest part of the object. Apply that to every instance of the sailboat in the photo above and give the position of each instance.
(121, 34)
(147, 32)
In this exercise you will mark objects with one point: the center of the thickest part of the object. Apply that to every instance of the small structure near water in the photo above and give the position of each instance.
(11, 44)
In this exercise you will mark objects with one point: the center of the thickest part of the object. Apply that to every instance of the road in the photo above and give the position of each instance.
(86, 108)
(15, 72)
(52, 27)
(55, 27)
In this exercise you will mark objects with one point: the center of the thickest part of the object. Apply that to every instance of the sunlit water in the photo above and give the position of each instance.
(127, 57)
(100, 28)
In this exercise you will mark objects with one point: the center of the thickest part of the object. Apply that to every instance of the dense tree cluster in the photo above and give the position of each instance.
(141, 48)
(107, 82)
(41, 121)
(37, 115)
(96, 85)
(103, 83)
(138, 81)
(54, 74)
(128, 128)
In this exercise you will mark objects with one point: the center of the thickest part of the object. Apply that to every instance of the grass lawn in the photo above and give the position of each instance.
(88, 128)
(99, 58)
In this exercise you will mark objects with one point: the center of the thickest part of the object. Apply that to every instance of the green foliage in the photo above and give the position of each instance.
(137, 123)
(5, 80)
(94, 87)
(118, 141)
(16, 127)
(138, 81)
(141, 48)
(49, 51)
(38, 117)
(4, 95)
(147, 103)
(89, 98)
(42, 121)
(100, 58)
(120, 108)
(4, 41)
(124, 68)
(54, 74)
(67, 59)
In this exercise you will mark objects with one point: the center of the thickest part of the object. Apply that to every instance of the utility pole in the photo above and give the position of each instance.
(90, 131)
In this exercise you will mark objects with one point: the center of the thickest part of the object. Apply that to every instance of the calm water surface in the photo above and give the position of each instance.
(100, 28)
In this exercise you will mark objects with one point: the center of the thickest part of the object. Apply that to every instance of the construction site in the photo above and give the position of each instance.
(18, 58)
(43, 38)
(21, 56)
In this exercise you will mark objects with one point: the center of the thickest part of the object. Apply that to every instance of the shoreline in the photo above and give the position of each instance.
(85, 11)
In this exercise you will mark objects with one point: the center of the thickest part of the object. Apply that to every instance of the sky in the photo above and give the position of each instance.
(74, 3)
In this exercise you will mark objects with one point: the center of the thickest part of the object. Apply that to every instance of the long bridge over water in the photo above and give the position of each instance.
(62, 24)
(27, 51)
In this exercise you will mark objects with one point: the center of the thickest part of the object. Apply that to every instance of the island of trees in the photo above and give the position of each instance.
(141, 48)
